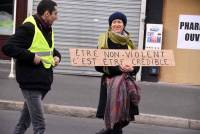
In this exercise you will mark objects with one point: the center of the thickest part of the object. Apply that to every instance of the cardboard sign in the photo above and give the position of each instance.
(114, 57)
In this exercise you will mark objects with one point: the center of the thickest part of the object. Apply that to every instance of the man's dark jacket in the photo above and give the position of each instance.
(29, 75)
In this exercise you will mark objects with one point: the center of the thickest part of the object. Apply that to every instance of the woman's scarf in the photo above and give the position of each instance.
(122, 39)
(121, 91)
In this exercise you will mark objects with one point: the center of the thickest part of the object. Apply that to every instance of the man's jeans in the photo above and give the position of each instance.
(33, 112)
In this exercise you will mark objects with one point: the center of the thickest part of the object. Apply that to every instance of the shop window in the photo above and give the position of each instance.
(6, 17)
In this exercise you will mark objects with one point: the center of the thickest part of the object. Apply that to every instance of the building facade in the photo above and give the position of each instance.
(80, 23)
(187, 60)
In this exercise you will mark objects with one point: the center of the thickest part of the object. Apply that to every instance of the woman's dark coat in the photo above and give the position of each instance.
(113, 71)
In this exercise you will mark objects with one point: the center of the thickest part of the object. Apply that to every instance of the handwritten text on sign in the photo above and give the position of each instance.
(113, 57)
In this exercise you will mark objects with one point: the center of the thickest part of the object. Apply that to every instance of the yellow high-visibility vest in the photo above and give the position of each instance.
(40, 46)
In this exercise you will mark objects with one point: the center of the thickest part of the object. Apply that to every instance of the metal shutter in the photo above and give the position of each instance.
(81, 21)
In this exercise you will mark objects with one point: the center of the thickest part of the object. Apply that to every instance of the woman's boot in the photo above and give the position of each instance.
(104, 131)
(117, 131)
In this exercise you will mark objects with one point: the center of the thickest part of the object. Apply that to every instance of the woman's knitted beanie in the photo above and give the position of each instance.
(117, 15)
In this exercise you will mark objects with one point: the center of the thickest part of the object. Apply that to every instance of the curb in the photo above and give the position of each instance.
(87, 112)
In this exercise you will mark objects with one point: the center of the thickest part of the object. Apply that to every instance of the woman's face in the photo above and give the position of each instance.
(117, 26)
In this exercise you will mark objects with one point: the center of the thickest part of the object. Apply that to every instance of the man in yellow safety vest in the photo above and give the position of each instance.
(32, 46)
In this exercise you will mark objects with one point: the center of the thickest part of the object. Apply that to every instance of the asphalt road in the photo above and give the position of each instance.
(71, 125)
(157, 98)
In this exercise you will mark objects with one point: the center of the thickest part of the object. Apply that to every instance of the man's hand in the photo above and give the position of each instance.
(57, 60)
(37, 59)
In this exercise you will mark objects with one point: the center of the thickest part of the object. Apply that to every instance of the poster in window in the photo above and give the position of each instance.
(189, 32)
(153, 37)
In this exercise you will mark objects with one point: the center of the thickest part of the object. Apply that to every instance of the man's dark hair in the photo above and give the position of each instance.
(46, 5)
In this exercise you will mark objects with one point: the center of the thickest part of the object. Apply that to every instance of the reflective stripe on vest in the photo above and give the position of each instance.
(40, 46)
(44, 53)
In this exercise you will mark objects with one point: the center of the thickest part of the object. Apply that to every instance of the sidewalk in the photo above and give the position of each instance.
(161, 104)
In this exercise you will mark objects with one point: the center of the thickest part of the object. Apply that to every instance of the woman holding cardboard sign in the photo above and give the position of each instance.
(119, 96)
